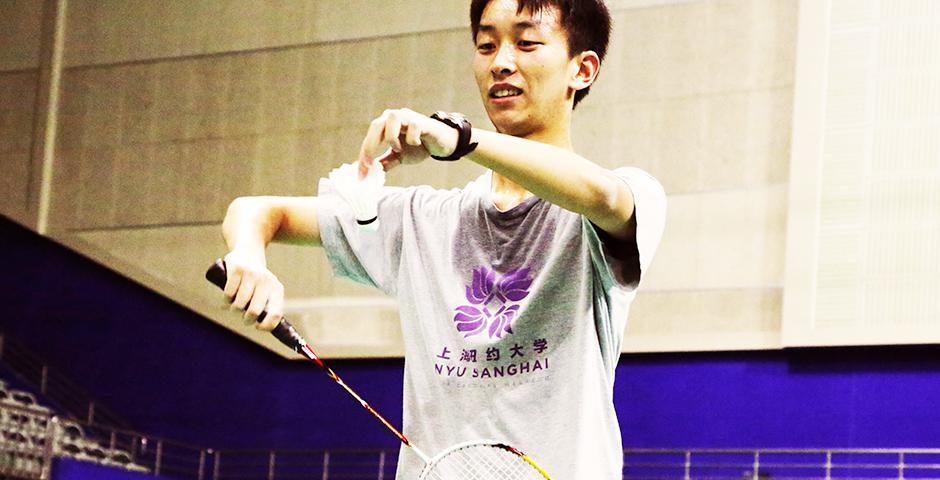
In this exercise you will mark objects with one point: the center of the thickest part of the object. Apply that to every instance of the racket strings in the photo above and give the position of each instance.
(481, 462)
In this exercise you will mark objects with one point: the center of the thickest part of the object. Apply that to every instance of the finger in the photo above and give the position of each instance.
(390, 159)
(364, 169)
(258, 301)
(364, 166)
(275, 308)
(372, 143)
(413, 135)
(393, 127)
(245, 292)
(390, 164)
(232, 281)
(388, 156)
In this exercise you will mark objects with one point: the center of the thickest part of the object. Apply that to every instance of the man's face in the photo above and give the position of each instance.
(522, 68)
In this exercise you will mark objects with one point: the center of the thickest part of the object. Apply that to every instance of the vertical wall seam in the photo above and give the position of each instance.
(52, 116)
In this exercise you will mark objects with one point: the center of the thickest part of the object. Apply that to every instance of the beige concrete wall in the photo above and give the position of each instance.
(20, 25)
(171, 109)
(700, 95)
(271, 121)
(17, 102)
(117, 31)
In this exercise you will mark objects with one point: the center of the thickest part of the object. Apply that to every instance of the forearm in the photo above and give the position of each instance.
(251, 223)
(558, 176)
(553, 174)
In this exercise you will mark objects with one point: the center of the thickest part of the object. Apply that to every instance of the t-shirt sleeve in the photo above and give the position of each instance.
(369, 257)
(623, 262)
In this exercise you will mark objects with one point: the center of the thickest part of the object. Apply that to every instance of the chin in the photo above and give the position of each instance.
(515, 129)
(509, 124)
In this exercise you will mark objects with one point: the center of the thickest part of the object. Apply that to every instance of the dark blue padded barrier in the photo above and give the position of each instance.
(173, 373)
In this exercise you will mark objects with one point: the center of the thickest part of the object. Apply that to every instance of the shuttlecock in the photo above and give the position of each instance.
(362, 195)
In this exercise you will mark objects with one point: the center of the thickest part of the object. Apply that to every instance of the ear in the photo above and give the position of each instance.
(585, 67)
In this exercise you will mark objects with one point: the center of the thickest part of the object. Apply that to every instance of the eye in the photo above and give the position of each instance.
(528, 44)
(485, 47)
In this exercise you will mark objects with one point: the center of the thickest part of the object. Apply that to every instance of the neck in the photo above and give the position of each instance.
(507, 193)
(559, 137)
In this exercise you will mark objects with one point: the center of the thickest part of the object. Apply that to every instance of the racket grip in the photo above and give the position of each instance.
(284, 331)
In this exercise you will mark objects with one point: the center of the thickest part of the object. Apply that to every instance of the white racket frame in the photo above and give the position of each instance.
(429, 463)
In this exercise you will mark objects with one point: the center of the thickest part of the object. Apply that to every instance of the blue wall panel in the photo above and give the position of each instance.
(173, 373)
(69, 469)
(839, 397)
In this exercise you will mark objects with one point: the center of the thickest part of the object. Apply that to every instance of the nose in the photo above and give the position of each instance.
(504, 63)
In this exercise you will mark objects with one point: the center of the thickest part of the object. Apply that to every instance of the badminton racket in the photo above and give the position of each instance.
(476, 460)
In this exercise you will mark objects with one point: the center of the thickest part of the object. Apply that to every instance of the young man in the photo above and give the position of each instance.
(514, 291)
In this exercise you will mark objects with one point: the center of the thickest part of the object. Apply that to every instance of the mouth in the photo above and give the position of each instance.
(504, 92)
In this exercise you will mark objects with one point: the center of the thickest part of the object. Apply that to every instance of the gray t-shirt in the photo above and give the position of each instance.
(512, 321)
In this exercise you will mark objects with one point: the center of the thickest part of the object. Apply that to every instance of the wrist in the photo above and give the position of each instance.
(459, 127)
(249, 251)
(440, 139)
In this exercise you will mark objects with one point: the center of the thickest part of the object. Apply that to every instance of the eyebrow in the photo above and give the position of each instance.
(523, 25)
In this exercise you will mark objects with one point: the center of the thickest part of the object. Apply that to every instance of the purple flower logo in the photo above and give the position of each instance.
(492, 302)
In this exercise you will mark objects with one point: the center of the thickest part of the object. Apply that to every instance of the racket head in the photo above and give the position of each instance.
(482, 460)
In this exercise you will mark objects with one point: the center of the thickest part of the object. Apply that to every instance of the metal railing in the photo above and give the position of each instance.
(55, 387)
(30, 437)
(283, 464)
(48, 436)
(780, 463)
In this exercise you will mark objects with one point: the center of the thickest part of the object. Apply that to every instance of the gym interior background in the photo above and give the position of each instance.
(792, 302)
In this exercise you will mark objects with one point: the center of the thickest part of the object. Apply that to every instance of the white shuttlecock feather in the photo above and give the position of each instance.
(362, 195)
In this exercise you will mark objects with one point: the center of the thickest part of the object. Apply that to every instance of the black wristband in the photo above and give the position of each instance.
(464, 131)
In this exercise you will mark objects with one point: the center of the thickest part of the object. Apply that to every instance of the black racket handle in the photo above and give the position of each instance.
(284, 331)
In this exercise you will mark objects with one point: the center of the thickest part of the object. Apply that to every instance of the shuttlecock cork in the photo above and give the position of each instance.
(362, 195)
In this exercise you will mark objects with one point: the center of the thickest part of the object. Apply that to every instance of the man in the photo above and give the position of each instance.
(513, 291)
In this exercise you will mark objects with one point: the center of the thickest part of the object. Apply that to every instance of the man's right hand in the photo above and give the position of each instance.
(251, 287)
(250, 224)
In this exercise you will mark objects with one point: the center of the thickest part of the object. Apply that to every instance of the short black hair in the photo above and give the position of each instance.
(586, 23)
